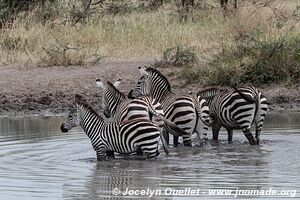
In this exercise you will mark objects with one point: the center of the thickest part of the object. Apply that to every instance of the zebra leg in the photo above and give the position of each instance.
(165, 143)
(229, 132)
(139, 151)
(215, 131)
(166, 135)
(175, 141)
(249, 136)
(151, 153)
(187, 141)
(257, 134)
(258, 129)
(201, 130)
(110, 154)
(101, 154)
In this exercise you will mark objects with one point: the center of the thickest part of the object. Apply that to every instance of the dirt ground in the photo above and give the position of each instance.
(51, 90)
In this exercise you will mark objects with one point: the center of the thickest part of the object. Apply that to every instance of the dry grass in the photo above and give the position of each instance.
(137, 35)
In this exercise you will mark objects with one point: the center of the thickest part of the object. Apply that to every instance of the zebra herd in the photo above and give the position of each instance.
(152, 111)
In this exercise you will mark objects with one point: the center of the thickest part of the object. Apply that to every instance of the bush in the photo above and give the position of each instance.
(61, 54)
(253, 61)
(10, 8)
(178, 56)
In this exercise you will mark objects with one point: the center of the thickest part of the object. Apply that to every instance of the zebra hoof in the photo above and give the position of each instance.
(139, 151)
(157, 153)
(187, 144)
(252, 142)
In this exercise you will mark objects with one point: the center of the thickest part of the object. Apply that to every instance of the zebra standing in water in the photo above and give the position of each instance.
(115, 105)
(189, 112)
(123, 137)
(236, 109)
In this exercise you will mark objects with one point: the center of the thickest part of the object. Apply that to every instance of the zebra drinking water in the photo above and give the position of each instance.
(189, 112)
(236, 109)
(122, 137)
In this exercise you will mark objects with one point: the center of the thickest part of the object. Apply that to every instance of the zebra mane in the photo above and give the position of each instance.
(115, 89)
(163, 77)
(210, 92)
(83, 102)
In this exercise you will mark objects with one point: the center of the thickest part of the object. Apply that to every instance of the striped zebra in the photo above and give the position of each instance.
(116, 106)
(236, 109)
(106, 138)
(189, 112)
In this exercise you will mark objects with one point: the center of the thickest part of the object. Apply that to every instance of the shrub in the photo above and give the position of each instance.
(253, 61)
(178, 56)
(62, 54)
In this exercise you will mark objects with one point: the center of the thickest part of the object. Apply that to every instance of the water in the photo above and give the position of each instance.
(37, 161)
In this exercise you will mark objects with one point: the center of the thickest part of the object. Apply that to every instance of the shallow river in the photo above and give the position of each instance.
(37, 161)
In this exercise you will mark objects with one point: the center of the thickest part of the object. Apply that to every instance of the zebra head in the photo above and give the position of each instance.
(152, 83)
(73, 119)
(109, 91)
(140, 89)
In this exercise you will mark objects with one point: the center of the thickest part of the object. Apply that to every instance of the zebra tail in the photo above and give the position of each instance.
(196, 100)
(244, 96)
(170, 126)
(258, 106)
(164, 143)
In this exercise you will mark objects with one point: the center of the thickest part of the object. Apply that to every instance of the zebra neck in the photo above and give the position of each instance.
(209, 100)
(161, 95)
(114, 103)
(91, 123)
(114, 99)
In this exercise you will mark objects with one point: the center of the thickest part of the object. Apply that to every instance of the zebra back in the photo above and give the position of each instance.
(209, 93)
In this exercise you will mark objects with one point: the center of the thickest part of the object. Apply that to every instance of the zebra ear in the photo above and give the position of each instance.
(117, 83)
(75, 104)
(99, 84)
(143, 71)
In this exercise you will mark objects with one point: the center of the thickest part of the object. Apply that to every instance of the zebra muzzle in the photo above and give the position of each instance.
(63, 128)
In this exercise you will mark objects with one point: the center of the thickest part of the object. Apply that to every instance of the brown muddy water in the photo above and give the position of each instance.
(37, 161)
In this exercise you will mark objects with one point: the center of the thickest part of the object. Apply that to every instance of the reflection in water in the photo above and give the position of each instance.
(37, 161)
(120, 174)
(28, 128)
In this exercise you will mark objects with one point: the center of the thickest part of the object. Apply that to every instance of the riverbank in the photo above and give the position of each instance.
(50, 90)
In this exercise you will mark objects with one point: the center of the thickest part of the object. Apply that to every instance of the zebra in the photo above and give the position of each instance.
(189, 112)
(107, 138)
(236, 109)
(115, 105)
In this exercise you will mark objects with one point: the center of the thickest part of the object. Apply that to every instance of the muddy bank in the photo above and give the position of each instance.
(51, 90)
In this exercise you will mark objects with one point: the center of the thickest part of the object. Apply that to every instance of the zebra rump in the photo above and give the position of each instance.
(236, 109)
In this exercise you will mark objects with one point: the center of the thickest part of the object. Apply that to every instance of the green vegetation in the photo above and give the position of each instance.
(255, 60)
(258, 42)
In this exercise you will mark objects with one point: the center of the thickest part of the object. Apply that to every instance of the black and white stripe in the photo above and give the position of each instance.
(116, 106)
(123, 137)
(119, 108)
(236, 109)
(188, 112)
